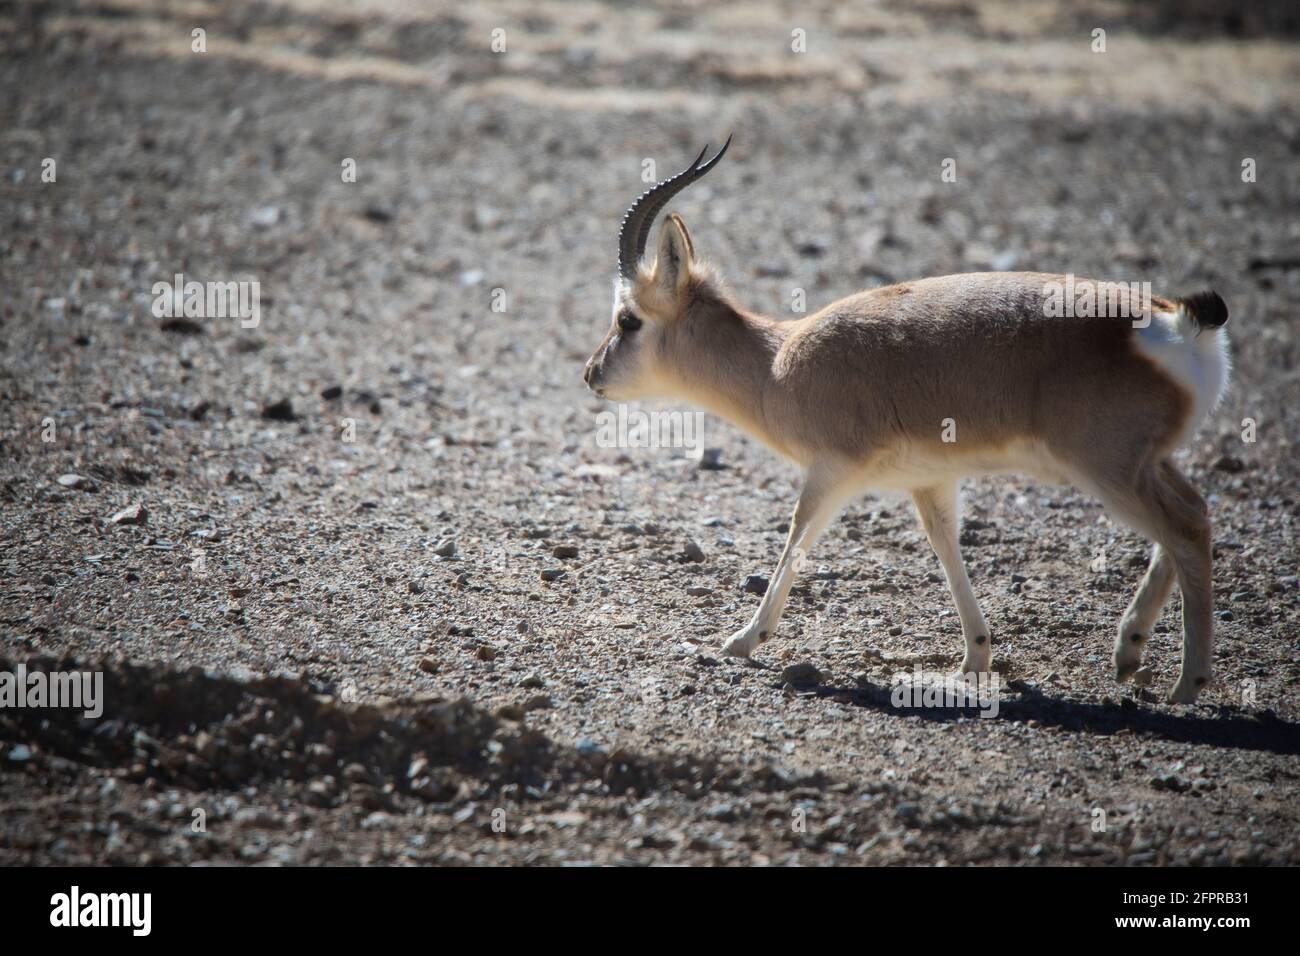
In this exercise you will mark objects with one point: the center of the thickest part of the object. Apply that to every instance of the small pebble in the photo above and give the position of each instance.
(711, 460)
(133, 514)
(280, 410)
(801, 674)
(692, 552)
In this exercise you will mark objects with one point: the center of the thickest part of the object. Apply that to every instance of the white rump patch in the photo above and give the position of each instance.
(1198, 362)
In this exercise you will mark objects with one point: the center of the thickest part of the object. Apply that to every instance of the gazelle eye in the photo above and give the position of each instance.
(628, 322)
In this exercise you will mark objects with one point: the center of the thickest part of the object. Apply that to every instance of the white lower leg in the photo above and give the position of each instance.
(938, 510)
(1142, 614)
(1193, 573)
(1164, 506)
(817, 505)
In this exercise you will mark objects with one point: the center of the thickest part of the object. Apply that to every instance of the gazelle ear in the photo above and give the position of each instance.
(676, 253)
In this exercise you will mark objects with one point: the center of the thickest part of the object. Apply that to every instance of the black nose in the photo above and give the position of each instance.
(588, 373)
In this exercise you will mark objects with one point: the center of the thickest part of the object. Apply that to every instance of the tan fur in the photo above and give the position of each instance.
(859, 395)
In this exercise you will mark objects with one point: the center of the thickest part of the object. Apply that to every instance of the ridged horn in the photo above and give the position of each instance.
(635, 228)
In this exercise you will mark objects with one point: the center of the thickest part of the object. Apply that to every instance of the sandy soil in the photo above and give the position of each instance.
(328, 637)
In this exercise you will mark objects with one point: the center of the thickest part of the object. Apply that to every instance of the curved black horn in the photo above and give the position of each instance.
(635, 228)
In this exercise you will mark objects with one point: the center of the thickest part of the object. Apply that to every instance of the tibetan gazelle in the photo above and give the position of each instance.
(917, 385)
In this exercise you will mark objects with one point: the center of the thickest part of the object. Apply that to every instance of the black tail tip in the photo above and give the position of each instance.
(1207, 309)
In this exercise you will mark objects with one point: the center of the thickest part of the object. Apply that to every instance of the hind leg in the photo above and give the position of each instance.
(1191, 550)
(1164, 505)
(1143, 611)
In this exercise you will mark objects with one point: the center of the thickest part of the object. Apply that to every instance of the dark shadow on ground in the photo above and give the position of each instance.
(1210, 725)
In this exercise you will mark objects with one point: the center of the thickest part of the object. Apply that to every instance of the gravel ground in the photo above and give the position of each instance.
(316, 560)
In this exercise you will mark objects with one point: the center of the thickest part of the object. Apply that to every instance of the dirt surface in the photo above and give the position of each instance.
(327, 636)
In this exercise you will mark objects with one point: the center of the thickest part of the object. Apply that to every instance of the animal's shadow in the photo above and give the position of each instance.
(1228, 727)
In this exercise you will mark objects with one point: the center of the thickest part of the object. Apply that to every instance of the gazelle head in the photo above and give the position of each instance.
(655, 307)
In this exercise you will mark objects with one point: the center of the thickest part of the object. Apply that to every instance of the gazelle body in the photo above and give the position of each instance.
(915, 386)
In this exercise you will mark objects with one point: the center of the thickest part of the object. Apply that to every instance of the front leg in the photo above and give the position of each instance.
(940, 516)
(819, 502)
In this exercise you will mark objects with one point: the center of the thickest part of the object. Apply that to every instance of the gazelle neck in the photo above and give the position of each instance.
(727, 366)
